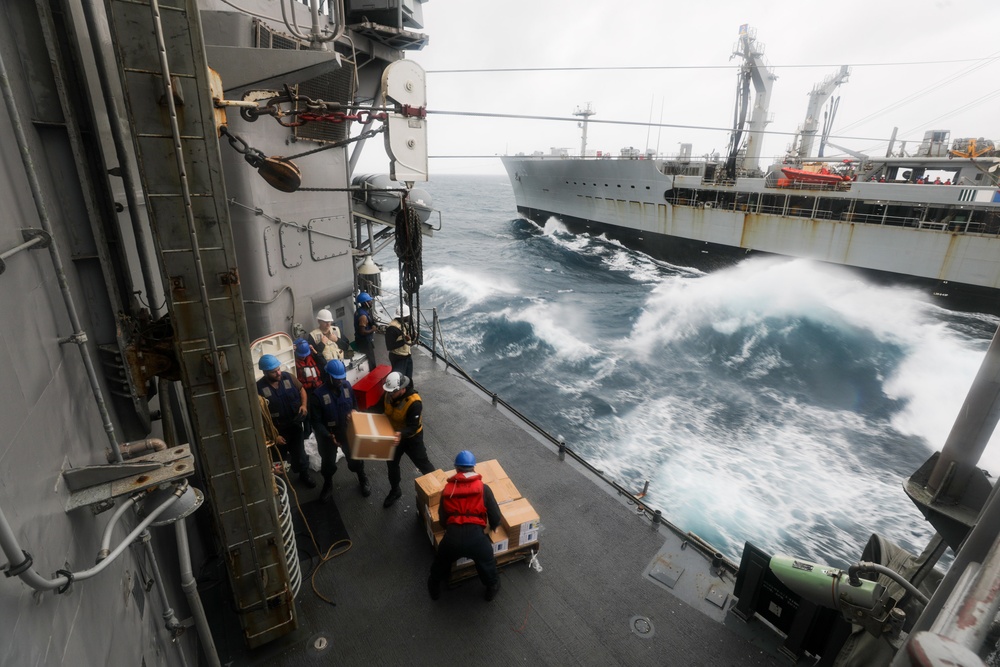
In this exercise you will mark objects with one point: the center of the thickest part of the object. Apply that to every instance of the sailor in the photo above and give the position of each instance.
(398, 338)
(467, 507)
(404, 409)
(364, 328)
(286, 401)
(308, 373)
(326, 337)
(329, 411)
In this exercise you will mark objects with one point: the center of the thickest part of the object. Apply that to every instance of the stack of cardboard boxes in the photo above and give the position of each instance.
(520, 521)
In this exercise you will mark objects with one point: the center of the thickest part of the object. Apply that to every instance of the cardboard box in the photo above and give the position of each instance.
(504, 491)
(499, 539)
(490, 471)
(521, 522)
(525, 537)
(430, 486)
(433, 519)
(435, 536)
(371, 436)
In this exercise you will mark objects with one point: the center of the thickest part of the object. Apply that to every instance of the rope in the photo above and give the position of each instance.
(409, 250)
(328, 555)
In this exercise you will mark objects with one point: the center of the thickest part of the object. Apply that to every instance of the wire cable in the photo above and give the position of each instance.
(486, 70)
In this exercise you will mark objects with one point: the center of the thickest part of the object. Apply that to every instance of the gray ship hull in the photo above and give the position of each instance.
(635, 202)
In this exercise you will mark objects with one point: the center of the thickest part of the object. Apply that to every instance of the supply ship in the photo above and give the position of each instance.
(930, 217)
(181, 198)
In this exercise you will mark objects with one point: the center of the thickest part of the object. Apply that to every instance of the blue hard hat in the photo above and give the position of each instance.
(335, 369)
(465, 459)
(268, 362)
(363, 297)
(302, 348)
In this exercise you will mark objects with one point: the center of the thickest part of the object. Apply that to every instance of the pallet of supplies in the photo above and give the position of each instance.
(371, 437)
(520, 521)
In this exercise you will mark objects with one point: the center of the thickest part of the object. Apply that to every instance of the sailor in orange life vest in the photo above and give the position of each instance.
(467, 507)
(308, 373)
(404, 408)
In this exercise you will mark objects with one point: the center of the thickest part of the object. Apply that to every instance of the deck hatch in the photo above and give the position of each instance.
(666, 572)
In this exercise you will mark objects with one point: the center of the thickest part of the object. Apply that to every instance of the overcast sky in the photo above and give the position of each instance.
(955, 87)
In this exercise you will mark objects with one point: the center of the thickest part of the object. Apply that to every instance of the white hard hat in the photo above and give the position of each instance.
(324, 315)
(395, 381)
(403, 312)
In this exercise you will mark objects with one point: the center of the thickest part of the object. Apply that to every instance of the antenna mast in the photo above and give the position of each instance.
(585, 114)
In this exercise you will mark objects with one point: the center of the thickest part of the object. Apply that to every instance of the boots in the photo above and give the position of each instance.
(491, 591)
(394, 495)
(326, 493)
(365, 485)
(434, 588)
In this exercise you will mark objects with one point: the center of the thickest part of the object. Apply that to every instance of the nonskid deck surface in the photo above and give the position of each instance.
(578, 610)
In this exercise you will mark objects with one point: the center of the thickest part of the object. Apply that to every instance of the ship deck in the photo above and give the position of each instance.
(595, 552)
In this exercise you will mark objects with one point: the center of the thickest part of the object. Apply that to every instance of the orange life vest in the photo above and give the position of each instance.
(462, 499)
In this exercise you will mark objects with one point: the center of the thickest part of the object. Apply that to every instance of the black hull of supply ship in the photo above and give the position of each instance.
(180, 202)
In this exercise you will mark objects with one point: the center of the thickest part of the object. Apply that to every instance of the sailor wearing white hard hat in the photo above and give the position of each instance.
(398, 338)
(326, 336)
(404, 409)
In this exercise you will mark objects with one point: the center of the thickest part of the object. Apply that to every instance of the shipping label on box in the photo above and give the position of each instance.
(525, 536)
(371, 437)
(504, 491)
(429, 487)
(499, 540)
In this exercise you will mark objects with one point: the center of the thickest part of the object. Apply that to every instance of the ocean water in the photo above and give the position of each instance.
(780, 401)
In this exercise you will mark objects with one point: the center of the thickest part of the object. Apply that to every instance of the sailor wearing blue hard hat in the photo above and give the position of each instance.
(330, 409)
(467, 507)
(364, 328)
(286, 401)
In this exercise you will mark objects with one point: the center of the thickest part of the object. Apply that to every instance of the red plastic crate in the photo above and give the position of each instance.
(369, 388)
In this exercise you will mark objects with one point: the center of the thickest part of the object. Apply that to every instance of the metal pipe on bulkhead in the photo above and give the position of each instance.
(110, 527)
(79, 336)
(140, 447)
(125, 165)
(21, 563)
(173, 626)
(190, 587)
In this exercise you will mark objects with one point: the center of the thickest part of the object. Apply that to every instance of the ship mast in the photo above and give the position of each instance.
(818, 96)
(754, 70)
(585, 113)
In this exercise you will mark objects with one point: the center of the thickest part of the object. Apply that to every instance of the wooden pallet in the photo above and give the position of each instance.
(468, 570)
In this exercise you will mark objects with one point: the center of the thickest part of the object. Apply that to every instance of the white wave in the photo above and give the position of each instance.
(473, 288)
(557, 325)
(754, 483)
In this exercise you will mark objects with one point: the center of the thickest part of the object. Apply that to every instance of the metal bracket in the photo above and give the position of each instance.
(90, 485)
(32, 234)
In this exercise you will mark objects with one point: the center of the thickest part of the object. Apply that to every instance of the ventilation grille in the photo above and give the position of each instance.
(335, 86)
